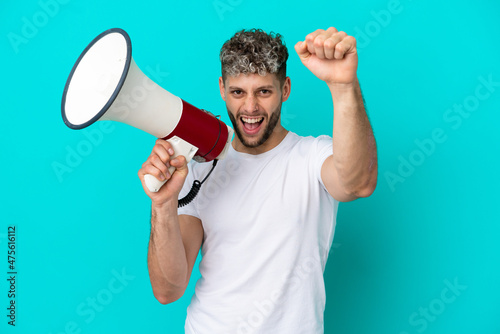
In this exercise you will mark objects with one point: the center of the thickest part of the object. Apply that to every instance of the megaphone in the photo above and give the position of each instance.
(106, 84)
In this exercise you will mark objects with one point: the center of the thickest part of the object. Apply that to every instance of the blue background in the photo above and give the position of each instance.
(431, 223)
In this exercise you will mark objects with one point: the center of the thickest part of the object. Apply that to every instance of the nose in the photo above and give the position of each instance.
(250, 104)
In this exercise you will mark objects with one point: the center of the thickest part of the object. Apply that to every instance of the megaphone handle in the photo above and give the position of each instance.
(181, 147)
(153, 183)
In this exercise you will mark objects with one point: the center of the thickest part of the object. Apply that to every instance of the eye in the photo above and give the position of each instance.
(236, 92)
(265, 91)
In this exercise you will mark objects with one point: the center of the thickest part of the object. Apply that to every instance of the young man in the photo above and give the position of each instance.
(265, 218)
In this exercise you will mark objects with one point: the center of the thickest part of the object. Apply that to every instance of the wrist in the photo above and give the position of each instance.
(343, 86)
(344, 91)
(164, 207)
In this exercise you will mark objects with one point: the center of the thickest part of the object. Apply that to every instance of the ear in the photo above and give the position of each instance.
(285, 91)
(221, 88)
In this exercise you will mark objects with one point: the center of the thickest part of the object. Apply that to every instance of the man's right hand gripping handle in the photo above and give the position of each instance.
(158, 164)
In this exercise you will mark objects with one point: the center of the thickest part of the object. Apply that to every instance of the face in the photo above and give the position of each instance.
(254, 106)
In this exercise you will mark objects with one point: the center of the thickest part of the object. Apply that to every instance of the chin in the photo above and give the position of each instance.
(254, 142)
(246, 140)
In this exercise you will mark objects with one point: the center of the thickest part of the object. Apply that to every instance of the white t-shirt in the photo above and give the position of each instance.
(268, 226)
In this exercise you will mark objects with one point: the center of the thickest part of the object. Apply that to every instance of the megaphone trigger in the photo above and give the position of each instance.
(180, 147)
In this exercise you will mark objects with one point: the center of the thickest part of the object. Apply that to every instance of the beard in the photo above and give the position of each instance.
(271, 124)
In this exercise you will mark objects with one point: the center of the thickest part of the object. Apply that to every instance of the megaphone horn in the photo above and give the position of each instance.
(106, 84)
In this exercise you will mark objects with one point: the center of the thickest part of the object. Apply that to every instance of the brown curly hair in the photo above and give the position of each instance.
(254, 51)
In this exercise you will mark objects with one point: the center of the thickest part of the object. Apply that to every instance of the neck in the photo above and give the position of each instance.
(277, 136)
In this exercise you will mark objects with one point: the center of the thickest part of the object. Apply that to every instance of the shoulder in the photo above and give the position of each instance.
(310, 144)
(308, 139)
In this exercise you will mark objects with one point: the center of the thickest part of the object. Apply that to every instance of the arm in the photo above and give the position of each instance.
(174, 240)
(173, 247)
(352, 171)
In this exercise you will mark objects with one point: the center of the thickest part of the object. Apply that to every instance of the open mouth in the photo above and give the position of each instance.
(251, 125)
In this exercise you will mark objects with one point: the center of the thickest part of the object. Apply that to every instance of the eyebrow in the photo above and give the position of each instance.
(258, 88)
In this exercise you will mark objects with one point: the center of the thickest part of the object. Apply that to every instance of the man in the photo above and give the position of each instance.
(265, 218)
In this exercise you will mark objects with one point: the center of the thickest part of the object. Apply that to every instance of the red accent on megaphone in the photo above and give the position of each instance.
(202, 130)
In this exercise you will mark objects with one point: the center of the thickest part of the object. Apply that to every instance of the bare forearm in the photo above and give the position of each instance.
(354, 148)
(167, 263)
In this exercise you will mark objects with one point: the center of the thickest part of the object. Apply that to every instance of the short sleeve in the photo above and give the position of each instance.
(322, 149)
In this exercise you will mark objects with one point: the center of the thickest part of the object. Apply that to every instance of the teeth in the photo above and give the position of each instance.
(252, 120)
